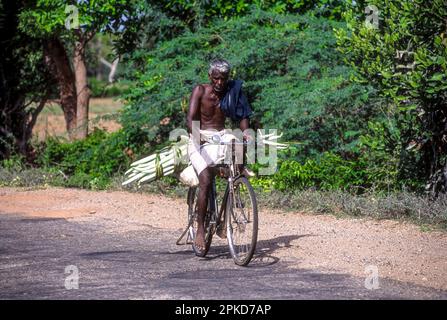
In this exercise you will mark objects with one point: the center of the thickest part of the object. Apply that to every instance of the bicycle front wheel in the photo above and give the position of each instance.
(242, 221)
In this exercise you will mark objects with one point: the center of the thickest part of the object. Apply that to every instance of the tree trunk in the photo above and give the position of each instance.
(27, 131)
(82, 89)
(59, 65)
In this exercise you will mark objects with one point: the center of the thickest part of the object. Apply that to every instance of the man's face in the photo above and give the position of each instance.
(219, 81)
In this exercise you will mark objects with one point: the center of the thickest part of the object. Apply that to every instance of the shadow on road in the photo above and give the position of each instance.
(146, 265)
(265, 248)
(263, 256)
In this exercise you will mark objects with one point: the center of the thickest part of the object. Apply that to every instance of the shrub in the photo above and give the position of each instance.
(90, 163)
(104, 89)
(293, 77)
(329, 172)
(30, 177)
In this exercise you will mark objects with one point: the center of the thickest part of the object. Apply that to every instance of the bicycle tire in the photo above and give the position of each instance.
(192, 214)
(240, 221)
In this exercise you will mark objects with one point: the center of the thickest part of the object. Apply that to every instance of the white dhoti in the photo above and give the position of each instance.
(210, 153)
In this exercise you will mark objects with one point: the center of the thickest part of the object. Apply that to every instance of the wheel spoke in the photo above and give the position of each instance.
(243, 223)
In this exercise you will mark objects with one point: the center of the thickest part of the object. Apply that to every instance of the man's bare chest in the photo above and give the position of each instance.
(210, 107)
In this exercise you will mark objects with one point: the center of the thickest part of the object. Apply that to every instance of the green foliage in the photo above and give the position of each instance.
(375, 169)
(406, 60)
(329, 172)
(104, 89)
(379, 148)
(30, 177)
(344, 135)
(26, 79)
(14, 162)
(49, 17)
(292, 72)
(198, 13)
(25, 82)
(296, 82)
(91, 162)
(80, 21)
(388, 167)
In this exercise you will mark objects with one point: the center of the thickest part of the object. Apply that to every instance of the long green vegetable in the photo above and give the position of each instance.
(172, 158)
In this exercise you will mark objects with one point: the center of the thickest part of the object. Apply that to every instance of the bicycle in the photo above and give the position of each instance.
(239, 209)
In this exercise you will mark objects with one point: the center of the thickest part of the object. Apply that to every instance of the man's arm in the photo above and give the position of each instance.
(194, 106)
(244, 124)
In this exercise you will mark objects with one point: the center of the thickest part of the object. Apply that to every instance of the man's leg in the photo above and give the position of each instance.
(205, 179)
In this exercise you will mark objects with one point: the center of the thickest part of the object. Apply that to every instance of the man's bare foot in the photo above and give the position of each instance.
(199, 241)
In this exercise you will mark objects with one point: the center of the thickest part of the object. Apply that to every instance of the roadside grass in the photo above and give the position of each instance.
(102, 113)
(428, 214)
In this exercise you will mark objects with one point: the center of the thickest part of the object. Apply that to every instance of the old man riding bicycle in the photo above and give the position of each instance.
(210, 104)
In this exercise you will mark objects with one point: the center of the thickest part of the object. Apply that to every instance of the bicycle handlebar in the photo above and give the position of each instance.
(235, 143)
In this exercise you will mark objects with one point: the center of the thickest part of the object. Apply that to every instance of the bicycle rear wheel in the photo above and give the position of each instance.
(242, 221)
(193, 224)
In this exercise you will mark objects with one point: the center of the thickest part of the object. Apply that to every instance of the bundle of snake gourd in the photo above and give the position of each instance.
(163, 163)
(174, 157)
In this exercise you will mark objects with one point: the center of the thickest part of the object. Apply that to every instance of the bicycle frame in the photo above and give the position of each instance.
(214, 213)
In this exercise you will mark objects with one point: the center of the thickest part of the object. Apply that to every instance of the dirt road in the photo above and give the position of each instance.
(76, 244)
